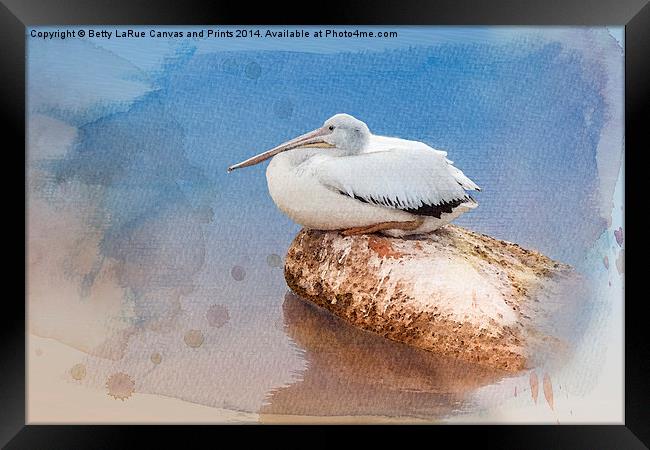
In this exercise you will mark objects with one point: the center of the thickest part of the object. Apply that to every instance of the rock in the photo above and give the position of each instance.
(453, 292)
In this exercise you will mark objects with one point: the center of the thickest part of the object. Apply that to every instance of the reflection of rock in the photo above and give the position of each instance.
(455, 292)
(354, 372)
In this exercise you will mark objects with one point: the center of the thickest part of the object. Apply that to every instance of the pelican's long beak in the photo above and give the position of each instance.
(311, 139)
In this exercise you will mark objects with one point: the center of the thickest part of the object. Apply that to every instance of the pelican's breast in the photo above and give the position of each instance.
(292, 186)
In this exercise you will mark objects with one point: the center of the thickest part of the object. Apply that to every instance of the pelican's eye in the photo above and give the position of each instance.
(331, 127)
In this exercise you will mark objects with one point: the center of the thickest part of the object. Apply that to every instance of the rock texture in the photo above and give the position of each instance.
(453, 292)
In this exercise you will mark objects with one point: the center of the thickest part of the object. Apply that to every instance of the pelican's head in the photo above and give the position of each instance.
(346, 133)
(341, 131)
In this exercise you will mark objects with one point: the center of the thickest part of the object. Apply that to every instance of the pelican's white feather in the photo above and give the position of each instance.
(382, 143)
(462, 179)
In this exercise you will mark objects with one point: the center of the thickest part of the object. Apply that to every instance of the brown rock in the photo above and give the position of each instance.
(453, 292)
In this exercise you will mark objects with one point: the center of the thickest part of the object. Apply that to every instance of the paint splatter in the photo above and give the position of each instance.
(230, 66)
(548, 390)
(217, 316)
(156, 358)
(606, 262)
(120, 386)
(205, 214)
(78, 372)
(620, 262)
(274, 260)
(238, 273)
(194, 338)
(253, 70)
(618, 234)
(283, 108)
(534, 386)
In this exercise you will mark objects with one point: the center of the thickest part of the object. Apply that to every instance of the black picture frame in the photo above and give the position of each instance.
(17, 15)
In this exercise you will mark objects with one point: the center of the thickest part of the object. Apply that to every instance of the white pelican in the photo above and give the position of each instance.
(342, 177)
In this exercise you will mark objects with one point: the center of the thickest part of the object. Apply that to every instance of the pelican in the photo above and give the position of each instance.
(342, 177)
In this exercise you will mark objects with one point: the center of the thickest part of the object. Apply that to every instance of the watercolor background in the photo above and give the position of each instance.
(155, 285)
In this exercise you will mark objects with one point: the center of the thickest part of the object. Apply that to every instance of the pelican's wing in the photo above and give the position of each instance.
(414, 180)
(385, 143)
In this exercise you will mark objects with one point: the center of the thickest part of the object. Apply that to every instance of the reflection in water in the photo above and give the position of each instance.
(355, 372)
